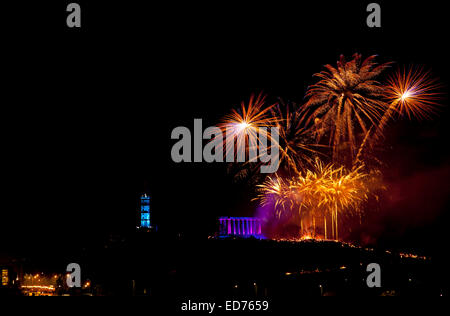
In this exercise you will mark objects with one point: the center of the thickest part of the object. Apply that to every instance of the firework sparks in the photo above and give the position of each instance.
(296, 144)
(343, 96)
(321, 193)
(414, 93)
(410, 92)
(247, 125)
(276, 192)
(329, 190)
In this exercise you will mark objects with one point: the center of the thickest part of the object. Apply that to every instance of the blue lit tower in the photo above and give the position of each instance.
(145, 211)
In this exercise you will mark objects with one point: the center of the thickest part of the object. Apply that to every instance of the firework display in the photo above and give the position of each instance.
(413, 93)
(247, 125)
(345, 101)
(323, 176)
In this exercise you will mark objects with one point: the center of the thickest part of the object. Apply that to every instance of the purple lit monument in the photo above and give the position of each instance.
(240, 226)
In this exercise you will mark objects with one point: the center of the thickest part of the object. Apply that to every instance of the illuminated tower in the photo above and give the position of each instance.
(145, 211)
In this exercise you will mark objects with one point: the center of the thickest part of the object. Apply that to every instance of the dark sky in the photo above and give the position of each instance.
(87, 114)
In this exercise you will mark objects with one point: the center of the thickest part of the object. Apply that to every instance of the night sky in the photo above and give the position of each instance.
(87, 114)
